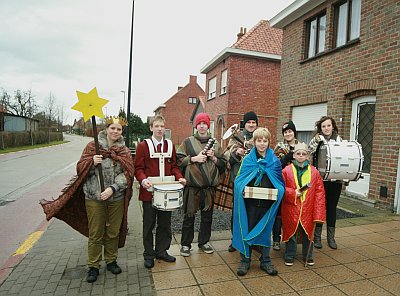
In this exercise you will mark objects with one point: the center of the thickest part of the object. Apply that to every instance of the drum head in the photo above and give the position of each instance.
(168, 187)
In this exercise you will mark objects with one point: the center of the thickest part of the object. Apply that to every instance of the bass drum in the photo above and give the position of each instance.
(339, 160)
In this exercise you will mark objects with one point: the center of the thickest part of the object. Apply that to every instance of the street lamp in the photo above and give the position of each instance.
(128, 111)
(123, 107)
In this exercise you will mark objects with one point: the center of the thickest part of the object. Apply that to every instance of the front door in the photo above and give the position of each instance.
(362, 131)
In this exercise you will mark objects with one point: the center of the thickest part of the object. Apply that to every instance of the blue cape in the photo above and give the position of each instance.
(254, 168)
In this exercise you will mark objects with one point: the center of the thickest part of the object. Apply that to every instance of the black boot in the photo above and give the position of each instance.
(331, 237)
(92, 275)
(317, 236)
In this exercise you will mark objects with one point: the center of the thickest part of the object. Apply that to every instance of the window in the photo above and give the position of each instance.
(304, 117)
(347, 22)
(316, 35)
(192, 100)
(212, 127)
(224, 77)
(212, 88)
(167, 133)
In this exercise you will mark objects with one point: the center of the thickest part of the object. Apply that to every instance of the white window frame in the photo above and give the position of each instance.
(167, 134)
(212, 128)
(347, 22)
(316, 29)
(192, 100)
(212, 88)
(224, 80)
(304, 117)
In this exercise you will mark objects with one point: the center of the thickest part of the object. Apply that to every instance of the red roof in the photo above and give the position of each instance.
(261, 38)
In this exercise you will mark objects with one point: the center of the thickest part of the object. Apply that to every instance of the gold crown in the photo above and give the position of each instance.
(118, 120)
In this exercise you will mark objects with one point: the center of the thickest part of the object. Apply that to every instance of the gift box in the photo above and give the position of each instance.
(260, 193)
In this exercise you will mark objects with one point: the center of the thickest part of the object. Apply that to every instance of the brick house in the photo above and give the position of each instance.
(341, 58)
(178, 110)
(245, 77)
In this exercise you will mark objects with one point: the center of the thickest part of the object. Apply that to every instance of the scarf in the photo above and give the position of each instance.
(300, 170)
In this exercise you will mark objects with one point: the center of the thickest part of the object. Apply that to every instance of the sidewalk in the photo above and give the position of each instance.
(367, 262)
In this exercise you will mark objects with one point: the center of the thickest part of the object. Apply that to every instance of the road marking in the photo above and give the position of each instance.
(28, 244)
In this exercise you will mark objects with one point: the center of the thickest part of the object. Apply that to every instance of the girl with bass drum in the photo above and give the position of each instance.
(326, 130)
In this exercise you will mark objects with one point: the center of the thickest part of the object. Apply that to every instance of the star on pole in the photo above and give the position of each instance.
(90, 104)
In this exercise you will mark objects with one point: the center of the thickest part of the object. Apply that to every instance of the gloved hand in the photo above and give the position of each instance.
(289, 157)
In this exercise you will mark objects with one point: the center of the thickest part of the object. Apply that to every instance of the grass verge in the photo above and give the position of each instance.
(21, 148)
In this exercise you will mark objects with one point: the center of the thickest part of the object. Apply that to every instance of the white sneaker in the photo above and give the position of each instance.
(206, 248)
(276, 246)
(185, 251)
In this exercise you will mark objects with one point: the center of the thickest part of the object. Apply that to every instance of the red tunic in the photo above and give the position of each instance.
(307, 212)
(148, 167)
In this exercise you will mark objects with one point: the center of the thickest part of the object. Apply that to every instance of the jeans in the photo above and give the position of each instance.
(264, 258)
(291, 245)
(205, 229)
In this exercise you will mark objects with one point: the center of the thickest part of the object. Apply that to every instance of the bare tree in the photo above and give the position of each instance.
(50, 107)
(22, 103)
(50, 112)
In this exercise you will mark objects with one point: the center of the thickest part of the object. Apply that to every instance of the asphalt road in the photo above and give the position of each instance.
(25, 178)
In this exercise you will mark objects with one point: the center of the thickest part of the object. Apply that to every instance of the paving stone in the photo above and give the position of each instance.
(26, 290)
(36, 293)
(15, 289)
(50, 287)
(110, 292)
(62, 290)
(40, 285)
(73, 292)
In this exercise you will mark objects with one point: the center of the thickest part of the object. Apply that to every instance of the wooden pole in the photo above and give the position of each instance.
(100, 169)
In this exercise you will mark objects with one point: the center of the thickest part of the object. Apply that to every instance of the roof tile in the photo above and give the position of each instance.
(261, 38)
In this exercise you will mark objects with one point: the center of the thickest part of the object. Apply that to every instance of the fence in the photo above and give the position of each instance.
(25, 138)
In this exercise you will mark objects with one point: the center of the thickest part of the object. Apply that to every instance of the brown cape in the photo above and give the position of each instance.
(70, 205)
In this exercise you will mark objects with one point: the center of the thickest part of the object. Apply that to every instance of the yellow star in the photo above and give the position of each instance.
(90, 104)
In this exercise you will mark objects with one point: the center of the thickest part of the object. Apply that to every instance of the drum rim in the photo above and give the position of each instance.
(168, 187)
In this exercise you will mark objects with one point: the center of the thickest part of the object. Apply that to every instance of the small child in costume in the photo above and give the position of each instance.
(301, 209)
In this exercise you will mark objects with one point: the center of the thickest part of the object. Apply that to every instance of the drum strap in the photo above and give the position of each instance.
(155, 154)
(161, 156)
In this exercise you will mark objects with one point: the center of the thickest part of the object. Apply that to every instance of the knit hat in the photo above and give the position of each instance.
(289, 125)
(250, 116)
(202, 117)
(300, 146)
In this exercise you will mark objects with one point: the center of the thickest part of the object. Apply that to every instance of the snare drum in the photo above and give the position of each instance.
(167, 197)
(340, 160)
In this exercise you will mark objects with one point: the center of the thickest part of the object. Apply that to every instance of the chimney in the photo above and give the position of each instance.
(241, 33)
(192, 79)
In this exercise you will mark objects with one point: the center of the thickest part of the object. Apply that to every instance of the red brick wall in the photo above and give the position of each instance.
(253, 85)
(368, 66)
(178, 110)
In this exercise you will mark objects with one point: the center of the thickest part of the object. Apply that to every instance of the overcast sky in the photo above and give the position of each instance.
(58, 47)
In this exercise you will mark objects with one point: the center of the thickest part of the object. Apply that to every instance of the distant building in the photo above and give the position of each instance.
(245, 77)
(341, 58)
(178, 110)
(16, 123)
